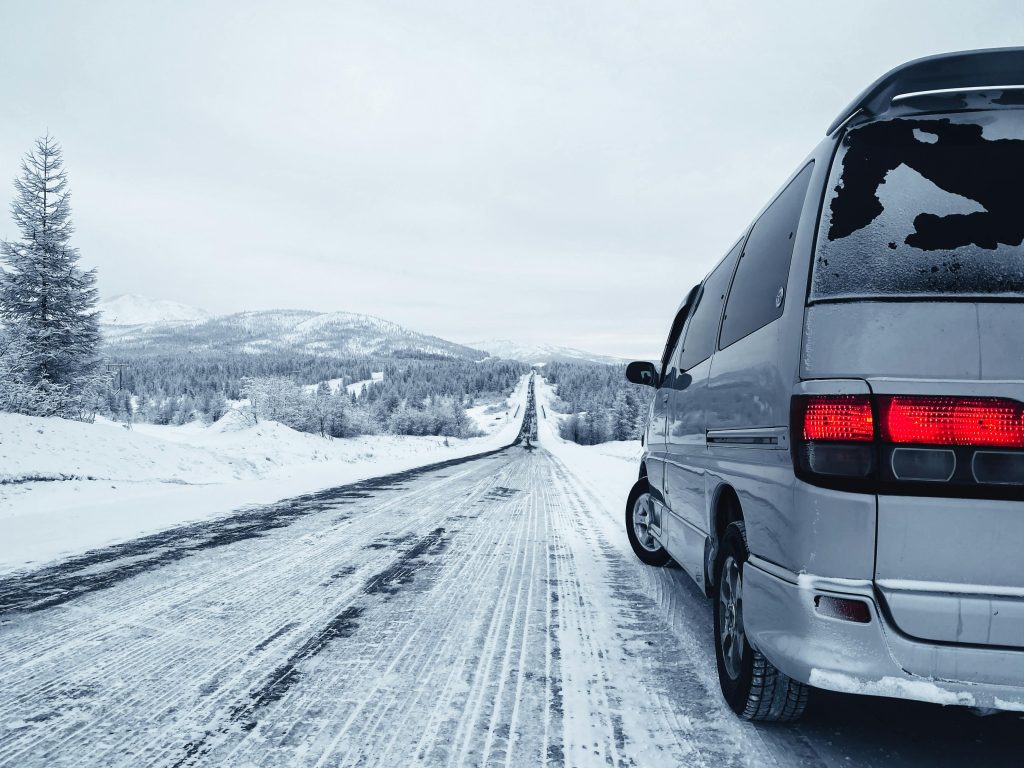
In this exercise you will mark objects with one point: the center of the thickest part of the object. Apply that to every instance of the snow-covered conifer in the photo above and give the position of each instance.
(42, 287)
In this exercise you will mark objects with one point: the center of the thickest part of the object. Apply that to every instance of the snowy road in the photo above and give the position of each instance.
(480, 613)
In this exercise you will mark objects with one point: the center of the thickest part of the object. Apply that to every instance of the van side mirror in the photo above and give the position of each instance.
(642, 372)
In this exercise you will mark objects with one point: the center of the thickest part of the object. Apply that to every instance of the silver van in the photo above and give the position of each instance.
(835, 450)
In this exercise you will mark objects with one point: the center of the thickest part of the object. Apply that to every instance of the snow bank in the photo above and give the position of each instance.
(493, 416)
(1012, 706)
(67, 487)
(605, 472)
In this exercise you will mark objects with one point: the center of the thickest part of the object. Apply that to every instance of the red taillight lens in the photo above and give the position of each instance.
(838, 418)
(926, 420)
(910, 444)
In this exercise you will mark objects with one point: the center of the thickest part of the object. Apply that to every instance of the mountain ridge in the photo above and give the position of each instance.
(143, 324)
(541, 354)
(127, 309)
(173, 327)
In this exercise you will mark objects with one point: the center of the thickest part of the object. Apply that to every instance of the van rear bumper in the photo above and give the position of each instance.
(781, 621)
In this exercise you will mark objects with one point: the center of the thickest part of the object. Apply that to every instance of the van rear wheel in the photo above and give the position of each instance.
(638, 526)
(752, 686)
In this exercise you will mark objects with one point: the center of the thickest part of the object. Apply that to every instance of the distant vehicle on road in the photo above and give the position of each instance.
(835, 451)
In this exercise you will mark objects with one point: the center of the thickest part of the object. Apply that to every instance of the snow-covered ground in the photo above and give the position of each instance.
(488, 612)
(68, 487)
(355, 388)
(609, 469)
(490, 417)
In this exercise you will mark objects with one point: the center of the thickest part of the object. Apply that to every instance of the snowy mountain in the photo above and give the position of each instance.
(539, 354)
(132, 309)
(175, 328)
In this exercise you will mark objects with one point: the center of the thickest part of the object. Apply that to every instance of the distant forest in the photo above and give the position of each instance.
(600, 403)
(417, 396)
(426, 395)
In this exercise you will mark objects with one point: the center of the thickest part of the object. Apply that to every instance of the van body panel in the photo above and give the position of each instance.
(654, 455)
(928, 340)
(873, 657)
(951, 569)
(686, 453)
(1001, 331)
(972, 619)
(747, 387)
(685, 543)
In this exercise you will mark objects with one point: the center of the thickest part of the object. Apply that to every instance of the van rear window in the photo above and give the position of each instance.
(925, 207)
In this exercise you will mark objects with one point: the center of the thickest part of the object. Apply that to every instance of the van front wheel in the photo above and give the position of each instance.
(752, 686)
(638, 526)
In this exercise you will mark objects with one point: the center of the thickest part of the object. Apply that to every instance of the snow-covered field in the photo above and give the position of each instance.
(356, 387)
(67, 487)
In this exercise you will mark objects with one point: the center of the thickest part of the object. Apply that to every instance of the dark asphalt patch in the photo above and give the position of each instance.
(500, 493)
(403, 570)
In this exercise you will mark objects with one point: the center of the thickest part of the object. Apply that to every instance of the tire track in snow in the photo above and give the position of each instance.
(67, 580)
(180, 635)
(686, 721)
(388, 581)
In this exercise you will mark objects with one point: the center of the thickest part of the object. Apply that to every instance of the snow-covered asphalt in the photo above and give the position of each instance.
(485, 612)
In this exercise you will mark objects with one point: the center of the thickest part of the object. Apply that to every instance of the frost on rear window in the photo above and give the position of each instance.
(925, 207)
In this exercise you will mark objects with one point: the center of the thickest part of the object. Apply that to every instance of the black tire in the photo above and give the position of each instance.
(752, 686)
(648, 550)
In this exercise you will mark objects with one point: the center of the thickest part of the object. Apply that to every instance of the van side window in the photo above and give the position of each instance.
(702, 332)
(675, 335)
(758, 291)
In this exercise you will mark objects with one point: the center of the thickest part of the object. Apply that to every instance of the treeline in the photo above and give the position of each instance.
(420, 396)
(334, 413)
(601, 404)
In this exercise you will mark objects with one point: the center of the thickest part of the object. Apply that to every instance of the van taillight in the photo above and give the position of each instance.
(837, 417)
(836, 435)
(908, 443)
(981, 422)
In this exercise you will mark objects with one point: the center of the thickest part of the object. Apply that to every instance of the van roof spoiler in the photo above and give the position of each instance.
(964, 69)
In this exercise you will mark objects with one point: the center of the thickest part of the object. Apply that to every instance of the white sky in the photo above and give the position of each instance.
(555, 172)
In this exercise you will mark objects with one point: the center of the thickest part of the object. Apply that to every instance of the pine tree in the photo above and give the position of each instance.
(321, 404)
(42, 289)
(623, 417)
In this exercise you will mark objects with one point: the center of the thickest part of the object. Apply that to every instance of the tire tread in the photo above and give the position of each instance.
(773, 696)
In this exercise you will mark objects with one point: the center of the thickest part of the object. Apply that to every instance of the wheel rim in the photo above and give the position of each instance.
(642, 524)
(730, 616)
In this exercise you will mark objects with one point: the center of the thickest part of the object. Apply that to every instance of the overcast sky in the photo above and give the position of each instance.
(545, 172)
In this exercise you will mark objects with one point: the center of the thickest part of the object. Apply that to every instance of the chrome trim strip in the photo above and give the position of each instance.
(946, 588)
(773, 437)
